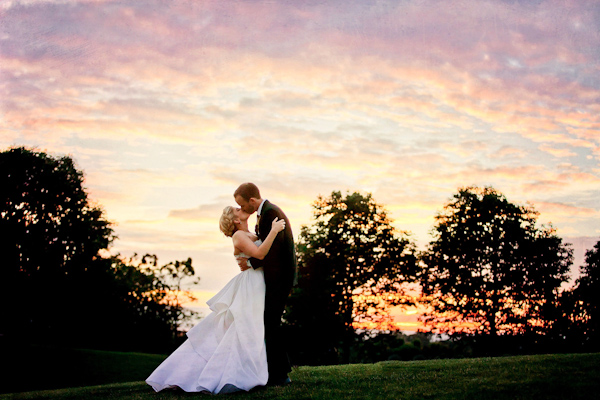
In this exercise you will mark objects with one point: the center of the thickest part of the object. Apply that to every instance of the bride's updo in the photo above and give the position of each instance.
(226, 223)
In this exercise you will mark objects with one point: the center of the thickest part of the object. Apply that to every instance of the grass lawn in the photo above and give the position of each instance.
(27, 368)
(568, 376)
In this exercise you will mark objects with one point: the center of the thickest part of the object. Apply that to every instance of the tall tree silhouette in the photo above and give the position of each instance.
(51, 234)
(582, 305)
(56, 284)
(352, 265)
(490, 270)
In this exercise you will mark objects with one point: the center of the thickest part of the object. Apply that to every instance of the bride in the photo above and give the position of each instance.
(226, 351)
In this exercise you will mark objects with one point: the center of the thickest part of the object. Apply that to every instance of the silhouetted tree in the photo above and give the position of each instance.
(56, 284)
(51, 234)
(143, 305)
(381, 347)
(581, 306)
(352, 265)
(490, 270)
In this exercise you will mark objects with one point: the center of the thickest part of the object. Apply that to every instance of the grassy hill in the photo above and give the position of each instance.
(564, 376)
(30, 367)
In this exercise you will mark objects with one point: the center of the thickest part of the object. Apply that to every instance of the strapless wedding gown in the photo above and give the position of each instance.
(226, 351)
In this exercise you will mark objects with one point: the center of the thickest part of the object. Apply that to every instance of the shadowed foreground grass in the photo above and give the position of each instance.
(31, 367)
(570, 376)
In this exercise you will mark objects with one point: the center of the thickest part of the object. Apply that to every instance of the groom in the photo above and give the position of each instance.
(279, 267)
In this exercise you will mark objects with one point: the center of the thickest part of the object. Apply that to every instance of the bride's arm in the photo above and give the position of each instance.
(246, 245)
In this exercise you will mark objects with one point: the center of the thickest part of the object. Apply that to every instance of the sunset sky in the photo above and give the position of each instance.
(168, 105)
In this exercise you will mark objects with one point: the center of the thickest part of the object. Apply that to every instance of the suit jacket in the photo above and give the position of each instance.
(279, 264)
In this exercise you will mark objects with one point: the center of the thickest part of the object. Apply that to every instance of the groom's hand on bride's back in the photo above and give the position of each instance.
(243, 264)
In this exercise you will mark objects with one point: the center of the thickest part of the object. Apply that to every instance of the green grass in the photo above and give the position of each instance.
(32, 367)
(569, 376)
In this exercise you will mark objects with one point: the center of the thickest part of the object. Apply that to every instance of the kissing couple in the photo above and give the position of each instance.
(240, 345)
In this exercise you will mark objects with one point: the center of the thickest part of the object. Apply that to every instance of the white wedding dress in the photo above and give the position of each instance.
(226, 351)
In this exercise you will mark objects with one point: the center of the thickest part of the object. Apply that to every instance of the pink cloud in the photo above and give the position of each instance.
(567, 209)
(384, 96)
(558, 152)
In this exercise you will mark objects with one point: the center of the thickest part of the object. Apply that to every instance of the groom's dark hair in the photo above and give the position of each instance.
(247, 191)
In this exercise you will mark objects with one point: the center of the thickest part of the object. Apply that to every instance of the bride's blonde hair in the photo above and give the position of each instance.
(226, 223)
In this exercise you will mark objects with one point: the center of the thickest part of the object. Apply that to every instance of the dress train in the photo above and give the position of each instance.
(226, 350)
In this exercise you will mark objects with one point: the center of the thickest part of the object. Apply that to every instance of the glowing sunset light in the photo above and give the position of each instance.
(167, 106)
(388, 326)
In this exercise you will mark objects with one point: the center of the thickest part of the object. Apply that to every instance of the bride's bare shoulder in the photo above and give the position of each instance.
(241, 234)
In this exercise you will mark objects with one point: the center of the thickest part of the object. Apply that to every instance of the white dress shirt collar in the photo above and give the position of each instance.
(260, 207)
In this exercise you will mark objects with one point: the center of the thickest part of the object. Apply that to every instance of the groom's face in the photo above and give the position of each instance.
(246, 206)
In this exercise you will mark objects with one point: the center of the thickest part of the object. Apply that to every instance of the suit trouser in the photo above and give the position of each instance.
(277, 358)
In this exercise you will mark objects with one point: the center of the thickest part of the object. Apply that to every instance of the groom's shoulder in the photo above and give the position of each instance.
(270, 206)
(278, 212)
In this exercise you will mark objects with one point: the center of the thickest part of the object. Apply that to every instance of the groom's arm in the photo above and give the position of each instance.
(243, 263)
(255, 262)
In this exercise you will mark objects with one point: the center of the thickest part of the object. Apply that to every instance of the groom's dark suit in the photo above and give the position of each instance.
(280, 273)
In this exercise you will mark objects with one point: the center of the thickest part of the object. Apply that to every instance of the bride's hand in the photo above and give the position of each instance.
(278, 225)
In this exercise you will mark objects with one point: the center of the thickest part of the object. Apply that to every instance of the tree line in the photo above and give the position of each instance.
(490, 279)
